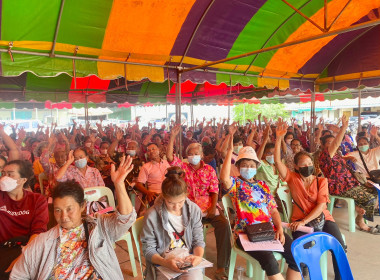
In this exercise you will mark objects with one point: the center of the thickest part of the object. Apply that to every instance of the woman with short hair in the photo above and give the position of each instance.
(79, 248)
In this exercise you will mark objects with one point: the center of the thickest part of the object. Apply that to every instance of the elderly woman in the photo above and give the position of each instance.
(79, 248)
(308, 191)
(343, 183)
(25, 214)
(254, 204)
(203, 187)
(173, 225)
(85, 175)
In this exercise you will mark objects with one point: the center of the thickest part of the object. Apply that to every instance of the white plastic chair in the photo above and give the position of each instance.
(93, 194)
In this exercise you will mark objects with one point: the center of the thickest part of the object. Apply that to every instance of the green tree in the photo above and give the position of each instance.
(271, 111)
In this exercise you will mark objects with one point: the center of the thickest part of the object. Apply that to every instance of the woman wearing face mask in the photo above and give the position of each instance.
(85, 175)
(343, 183)
(203, 189)
(173, 212)
(255, 204)
(79, 247)
(267, 171)
(371, 157)
(308, 191)
(24, 214)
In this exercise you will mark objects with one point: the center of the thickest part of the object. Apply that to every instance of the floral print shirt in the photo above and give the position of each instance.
(200, 183)
(335, 169)
(73, 262)
(92, 178)
(253, 203)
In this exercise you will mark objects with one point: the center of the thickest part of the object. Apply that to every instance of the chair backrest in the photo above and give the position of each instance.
(94, 193)
(136, 231)
(227, 204)
(286, 201)
(316, 244)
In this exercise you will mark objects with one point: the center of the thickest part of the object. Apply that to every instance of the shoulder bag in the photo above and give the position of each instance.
(260, 232)
(374, 175)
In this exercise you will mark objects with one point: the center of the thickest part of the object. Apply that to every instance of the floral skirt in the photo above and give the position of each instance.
(365, 198)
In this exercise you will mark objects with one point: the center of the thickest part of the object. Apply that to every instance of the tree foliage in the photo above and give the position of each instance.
(271, 111)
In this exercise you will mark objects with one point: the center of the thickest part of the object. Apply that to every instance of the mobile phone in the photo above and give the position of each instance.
(185, 265)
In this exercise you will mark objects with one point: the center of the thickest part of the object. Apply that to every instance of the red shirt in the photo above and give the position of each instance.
(24, 217)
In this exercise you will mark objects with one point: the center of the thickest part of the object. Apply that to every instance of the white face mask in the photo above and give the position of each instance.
(7, 184)
(194, 160)
(131, 153)
(81, 163)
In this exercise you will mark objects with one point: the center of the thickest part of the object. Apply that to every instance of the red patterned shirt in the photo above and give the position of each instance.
(336, 171)
(200, 183)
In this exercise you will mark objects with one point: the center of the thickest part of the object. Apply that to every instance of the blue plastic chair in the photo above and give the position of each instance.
(320, 243)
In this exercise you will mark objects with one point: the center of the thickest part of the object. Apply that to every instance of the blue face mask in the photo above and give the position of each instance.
(81, 163)
(247, 173)
(270, 159)
(194, 160)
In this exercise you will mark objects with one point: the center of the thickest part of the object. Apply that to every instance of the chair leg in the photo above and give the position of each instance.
(282, 267)
(259, 274)
(331, 204)
(249, 272)
(231, 269)
(351, 215)
(323, 264)
(131, 253)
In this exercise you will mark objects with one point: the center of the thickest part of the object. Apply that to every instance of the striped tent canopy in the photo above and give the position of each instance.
(84, 51)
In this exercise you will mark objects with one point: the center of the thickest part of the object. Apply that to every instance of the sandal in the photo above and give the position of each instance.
(375, 230)
(221, 276)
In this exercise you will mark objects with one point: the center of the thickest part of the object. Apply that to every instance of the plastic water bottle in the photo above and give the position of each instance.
(240, 273)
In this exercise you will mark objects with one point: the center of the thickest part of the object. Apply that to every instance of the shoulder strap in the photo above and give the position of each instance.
(85, 225)
(177, 232)
(316, 178)
(365, 165)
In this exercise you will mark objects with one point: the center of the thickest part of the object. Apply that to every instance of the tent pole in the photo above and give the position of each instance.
(57, 28)
(86, 114)
(312, 120)
(179, 100)
(360, 111)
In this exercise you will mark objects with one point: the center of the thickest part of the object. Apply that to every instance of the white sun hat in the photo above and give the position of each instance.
(247, 152)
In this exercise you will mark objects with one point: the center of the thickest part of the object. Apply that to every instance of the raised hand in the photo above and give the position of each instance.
(175, 130)
(344, 121)
(373, 131)
(119, 135)
(282, 128)
(118, 176)
(232, 128)
(70, 158)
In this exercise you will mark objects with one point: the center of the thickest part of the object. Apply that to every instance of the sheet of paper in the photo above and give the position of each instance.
(300, 228)
(377, 186)
(169, 274)
(271, 245)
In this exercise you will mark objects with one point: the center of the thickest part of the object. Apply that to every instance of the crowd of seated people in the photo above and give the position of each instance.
(175, 182)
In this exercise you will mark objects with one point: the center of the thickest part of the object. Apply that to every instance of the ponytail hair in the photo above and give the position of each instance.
(174, 184)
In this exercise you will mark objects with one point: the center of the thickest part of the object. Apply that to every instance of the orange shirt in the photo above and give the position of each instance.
(307, 200)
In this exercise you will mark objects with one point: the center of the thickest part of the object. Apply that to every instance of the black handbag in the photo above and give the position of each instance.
(10, 250)
(319, 222)
(374, 175)
(260, 232)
